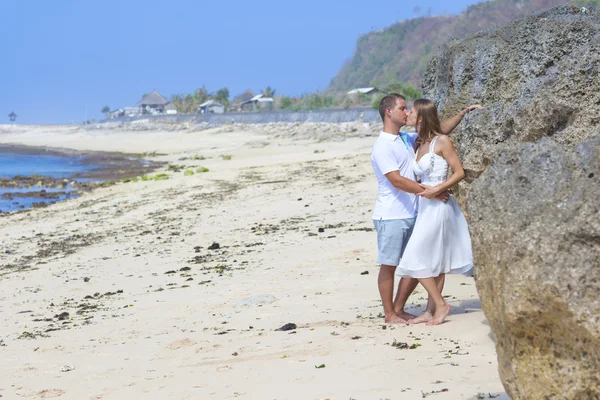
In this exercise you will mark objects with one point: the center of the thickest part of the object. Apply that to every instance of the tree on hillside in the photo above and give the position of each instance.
(268, 92)
(408, 91)
(222, 96)
(105, 110)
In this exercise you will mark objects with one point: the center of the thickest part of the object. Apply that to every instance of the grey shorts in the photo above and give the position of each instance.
(392, 237)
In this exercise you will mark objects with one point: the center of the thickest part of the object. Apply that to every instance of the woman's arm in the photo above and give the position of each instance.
(449, 125)
(458, 173)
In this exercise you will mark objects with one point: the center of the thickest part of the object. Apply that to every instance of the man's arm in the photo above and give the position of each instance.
(410, 186)
(449, 125)
(402, 183)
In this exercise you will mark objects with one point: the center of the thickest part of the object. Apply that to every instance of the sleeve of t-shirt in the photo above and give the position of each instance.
(386, 160)
(412, 137)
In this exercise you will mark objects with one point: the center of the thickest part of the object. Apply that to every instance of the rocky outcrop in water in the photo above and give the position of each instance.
(532, 190)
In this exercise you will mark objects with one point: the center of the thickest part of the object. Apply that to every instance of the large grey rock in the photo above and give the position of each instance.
(532, 192)
(539, 76)
(536, 239)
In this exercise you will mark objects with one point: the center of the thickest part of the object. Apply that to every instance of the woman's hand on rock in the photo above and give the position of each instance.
(472, 107)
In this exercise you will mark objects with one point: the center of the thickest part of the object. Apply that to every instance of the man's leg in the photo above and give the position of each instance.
(385, 282)
(428, 314)
(405, 289)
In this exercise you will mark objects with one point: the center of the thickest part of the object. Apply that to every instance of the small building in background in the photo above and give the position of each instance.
(258, 102)
(211, 106)
(132, 111)
(153, 103)
(170, 109)
(115, 114)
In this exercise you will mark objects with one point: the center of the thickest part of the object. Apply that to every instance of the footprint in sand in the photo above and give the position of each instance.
(181, 344)
(50, 393)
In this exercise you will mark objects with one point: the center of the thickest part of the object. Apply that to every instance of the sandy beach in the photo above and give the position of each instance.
(175, 289)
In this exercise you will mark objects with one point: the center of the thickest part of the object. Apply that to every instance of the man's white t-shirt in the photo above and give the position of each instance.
(392, 153)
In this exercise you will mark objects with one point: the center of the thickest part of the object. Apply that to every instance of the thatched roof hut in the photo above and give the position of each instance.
(153, 99)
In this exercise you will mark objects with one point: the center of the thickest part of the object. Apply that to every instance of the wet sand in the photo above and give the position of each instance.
(175, 288)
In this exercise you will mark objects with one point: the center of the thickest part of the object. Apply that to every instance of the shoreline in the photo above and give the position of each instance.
(105, 168)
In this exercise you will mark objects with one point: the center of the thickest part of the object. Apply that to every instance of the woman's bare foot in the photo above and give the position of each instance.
(425, 317)
(404, 315)
(395, 319)
(441, 312)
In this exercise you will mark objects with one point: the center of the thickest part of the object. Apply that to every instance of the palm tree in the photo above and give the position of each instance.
(12, 116)
(105, 110)
(268, 92)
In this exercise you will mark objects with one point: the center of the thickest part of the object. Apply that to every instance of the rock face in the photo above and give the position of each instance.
(539, 76)
(532, 192)
(536, 235)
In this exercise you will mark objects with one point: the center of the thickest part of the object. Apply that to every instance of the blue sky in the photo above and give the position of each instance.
(65, 56)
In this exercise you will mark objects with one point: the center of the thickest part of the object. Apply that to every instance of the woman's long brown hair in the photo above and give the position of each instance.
(430, 121)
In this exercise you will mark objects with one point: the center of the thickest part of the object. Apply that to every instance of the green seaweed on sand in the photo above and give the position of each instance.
(202, 169)
(188, 172)
(160, 177)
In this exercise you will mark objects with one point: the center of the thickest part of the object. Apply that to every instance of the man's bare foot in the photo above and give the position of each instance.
(425, 317)
(441, 312)
(395, 319)
(404, 315)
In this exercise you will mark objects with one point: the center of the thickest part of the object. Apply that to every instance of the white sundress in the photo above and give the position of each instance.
(440, 242)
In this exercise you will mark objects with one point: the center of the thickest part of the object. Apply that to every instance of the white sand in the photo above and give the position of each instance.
(165, 337)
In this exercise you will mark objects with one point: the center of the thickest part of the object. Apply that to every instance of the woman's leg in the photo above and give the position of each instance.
(442, 309)
(439, 281)
(428, 314)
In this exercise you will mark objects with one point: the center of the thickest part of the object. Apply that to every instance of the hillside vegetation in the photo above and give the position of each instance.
(401, 52)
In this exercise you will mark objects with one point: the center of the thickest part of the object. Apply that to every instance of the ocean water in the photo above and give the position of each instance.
(12, 164)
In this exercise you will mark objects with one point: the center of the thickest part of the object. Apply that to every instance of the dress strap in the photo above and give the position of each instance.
(431, 156)
(432, 145)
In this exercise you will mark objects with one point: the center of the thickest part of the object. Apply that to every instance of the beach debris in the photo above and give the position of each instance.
(86, 279)
(188, 172)
(235, 354)
(67, 368)
(31, 335)
(62, 316)
(287, 327)
(400, 345)
(365, 273)
(356, 337)
(256, 300)
(202, 169)
(362, 229)
(320, 366)
(226, 157)
(171, 272)
(214, 246)
(184, 269)
(321, 230)
(425, 394)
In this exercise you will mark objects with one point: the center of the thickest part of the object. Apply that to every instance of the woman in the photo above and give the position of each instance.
(440, 242)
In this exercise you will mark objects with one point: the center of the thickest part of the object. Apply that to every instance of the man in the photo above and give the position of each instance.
(394, 213)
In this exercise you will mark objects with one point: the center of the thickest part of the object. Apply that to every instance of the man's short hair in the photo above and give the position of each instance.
(389, 101)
